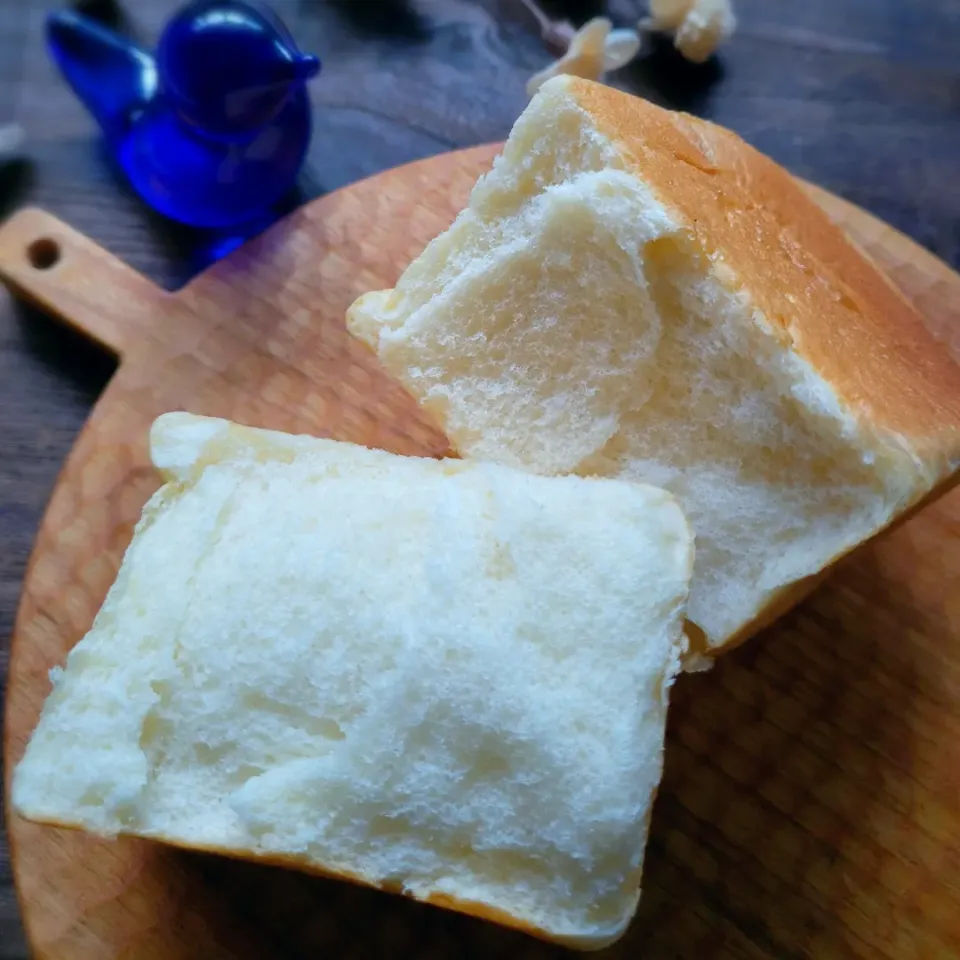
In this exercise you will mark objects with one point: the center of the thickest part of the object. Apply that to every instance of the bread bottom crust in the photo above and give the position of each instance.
(473, 908)
(793, 593)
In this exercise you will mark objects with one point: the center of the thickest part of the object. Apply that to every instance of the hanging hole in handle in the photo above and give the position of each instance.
(44, 253)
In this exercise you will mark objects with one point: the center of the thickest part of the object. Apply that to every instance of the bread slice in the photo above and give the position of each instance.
(444, 678)
(639, 294)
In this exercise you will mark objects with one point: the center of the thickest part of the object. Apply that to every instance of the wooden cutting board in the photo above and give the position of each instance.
(811, 803)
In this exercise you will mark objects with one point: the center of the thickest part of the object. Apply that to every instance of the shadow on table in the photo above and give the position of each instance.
(16, 179)
(68, 354)
(662, 75)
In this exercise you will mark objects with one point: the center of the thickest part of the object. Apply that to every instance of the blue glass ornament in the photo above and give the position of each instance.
(213, 130)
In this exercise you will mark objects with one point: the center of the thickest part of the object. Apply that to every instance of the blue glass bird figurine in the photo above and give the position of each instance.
(213, 130)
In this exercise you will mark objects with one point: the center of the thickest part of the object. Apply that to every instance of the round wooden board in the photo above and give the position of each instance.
(811, 802)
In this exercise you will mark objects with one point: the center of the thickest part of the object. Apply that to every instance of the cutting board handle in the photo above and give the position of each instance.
(53, 266)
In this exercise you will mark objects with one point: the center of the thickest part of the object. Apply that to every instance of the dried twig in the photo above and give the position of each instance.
(555, 33)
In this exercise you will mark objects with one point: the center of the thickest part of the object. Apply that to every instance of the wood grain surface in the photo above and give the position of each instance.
(752, 754)
(860, 96)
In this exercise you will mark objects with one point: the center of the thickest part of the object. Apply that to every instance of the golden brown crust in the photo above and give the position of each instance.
(831, 305)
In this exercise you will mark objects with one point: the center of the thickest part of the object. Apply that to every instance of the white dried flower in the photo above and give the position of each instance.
(594, 49)
(620, 48)
(698, 26)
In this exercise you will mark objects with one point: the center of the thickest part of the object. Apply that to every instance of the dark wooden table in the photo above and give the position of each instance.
(860, 96)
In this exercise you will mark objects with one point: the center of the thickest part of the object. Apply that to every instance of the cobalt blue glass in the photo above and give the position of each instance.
(212, 131)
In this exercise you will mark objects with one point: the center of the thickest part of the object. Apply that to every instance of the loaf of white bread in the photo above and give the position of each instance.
(445, 678)
(635, 293)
